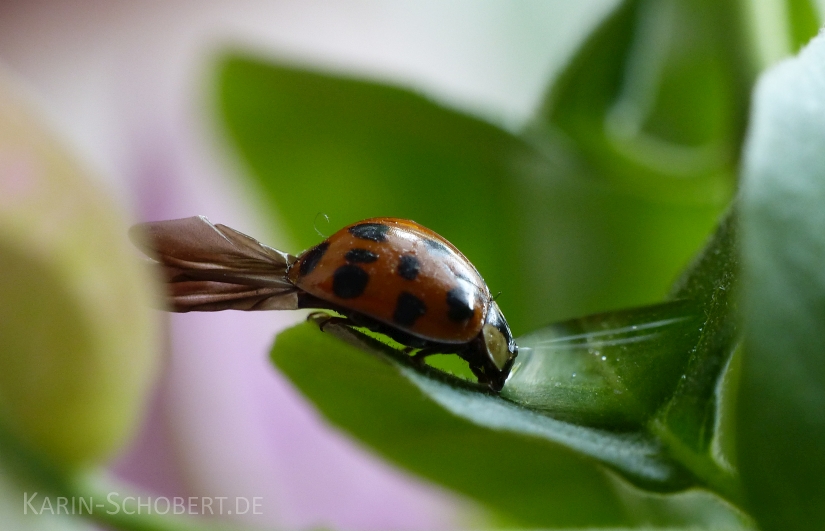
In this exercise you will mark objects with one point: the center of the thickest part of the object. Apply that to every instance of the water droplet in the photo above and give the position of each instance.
(633, 327)
(604, 358)
(574, 375)
(684, 377)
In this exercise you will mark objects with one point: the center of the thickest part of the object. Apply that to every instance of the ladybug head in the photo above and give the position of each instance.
(499, 349)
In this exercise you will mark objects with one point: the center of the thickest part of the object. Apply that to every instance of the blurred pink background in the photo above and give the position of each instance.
(128, 85)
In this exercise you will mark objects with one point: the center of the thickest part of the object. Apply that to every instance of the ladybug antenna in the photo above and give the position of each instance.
(495, 296)
(315, 224)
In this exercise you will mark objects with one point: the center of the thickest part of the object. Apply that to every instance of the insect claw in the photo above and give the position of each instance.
(422, 354)
(319, 318)
(323, 319)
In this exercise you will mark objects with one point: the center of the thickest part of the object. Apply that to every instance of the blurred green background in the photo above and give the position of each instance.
(597, 204)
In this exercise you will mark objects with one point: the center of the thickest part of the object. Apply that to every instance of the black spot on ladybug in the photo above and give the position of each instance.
(360, 256)
(349, 281)
(436, 246)
(408, 267)
(312, 257)
(408, 309)
(370, 231)
(460, 303)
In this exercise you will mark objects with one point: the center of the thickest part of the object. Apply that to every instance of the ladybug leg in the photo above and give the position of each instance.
(423, 353)
(322, 319)
(479, 374)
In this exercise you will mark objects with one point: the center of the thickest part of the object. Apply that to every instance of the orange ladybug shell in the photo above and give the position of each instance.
(399, 273)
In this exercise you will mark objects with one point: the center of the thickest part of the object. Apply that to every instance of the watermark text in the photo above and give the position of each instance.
(115, 503)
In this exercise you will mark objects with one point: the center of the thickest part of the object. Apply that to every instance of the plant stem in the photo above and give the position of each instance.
(724, 483)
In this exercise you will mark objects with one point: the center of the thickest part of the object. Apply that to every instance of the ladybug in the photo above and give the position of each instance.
(389, 275)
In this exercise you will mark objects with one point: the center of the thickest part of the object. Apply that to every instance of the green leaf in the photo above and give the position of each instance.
(527, 466)
(655, 100)
(611, 370)
(78, 354)
(781, 411)
(516, 468)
